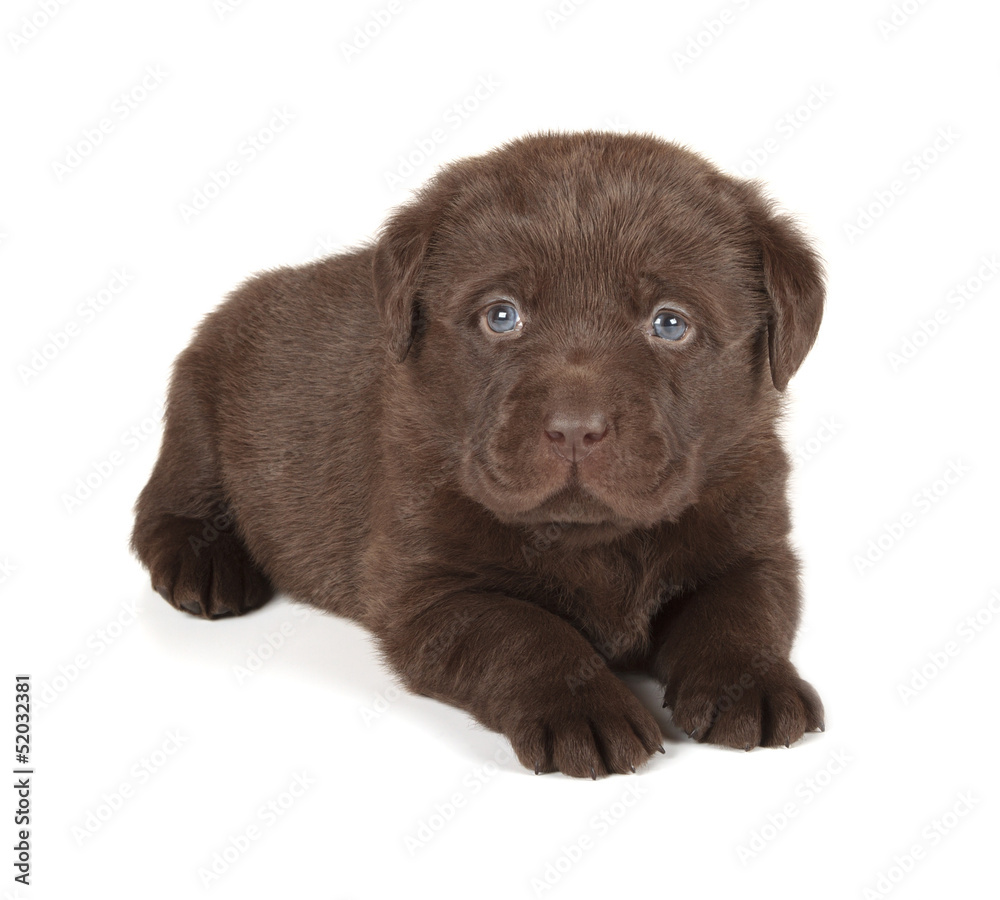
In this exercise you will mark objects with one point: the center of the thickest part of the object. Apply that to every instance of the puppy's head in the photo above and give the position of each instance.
(592, 325)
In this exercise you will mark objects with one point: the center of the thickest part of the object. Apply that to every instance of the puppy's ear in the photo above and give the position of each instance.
(399, 257)
(793, 279)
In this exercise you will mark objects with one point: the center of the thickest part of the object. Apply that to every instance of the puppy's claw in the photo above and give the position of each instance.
(631, 767)
(538, 767)
(662, 749)
(593, 774)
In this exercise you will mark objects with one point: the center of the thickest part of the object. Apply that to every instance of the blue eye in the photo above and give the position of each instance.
(669, 326)
(502, 318)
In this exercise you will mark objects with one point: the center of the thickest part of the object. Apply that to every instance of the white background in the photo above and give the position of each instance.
(154, 758)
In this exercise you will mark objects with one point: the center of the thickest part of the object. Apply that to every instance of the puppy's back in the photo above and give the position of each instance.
(292, 365)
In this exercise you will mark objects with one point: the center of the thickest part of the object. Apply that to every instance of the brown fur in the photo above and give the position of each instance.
(350, 433)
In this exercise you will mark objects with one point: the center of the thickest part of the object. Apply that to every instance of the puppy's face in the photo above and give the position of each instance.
(593, 324)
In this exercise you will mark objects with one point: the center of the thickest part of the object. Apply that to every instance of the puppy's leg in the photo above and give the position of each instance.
(525, 672)
(185, 533)
(722, 654)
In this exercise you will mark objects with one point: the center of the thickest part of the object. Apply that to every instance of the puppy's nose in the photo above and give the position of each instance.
(574, 436)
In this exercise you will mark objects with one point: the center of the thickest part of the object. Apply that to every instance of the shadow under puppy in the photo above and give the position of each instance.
(527, 437)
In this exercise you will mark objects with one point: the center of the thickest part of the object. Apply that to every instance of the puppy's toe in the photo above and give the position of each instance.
(695, 712)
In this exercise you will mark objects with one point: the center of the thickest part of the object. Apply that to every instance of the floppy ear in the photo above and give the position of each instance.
(793, 279)
(399, 257)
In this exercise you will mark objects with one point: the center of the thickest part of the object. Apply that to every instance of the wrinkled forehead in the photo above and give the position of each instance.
(561, 240)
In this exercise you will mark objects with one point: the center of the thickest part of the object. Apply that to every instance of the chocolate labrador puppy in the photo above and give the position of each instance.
(528, 438)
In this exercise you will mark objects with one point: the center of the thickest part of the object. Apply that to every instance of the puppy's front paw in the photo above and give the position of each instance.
(598, 729)
(744, 707)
